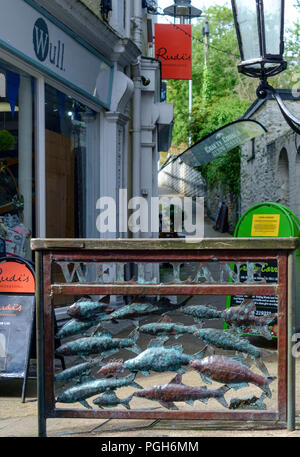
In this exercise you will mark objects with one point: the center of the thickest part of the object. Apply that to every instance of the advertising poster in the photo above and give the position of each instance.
(17, 302)
(265, 304)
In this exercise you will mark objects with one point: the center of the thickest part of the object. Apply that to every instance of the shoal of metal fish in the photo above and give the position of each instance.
(176, 391)
(165, 326)
(104, 344)
(251, 402)
(232, 371)
(81, 392)
(243, 316)
(229, 340)
(109, 399)
(86, 308)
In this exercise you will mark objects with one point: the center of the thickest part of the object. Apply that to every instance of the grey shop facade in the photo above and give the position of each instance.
(54, 89)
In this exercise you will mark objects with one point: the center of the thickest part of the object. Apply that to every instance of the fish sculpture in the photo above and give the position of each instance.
(75, 327)
(243, 316)
(109, 399)
(159, 358)
(165, 326)
(232, 371)
(229, 340)
(78, 372)
(252, 402)
(175, 391)
(86, 308)
(200, 312)
(104, 344)
(139, 309)
(81, 392)
(112, 367)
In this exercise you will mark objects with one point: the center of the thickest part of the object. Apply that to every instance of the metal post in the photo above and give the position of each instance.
(182, 21)
(291, 394)
(40, 343)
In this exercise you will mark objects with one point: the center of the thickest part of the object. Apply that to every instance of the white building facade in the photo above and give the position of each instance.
(80, 95)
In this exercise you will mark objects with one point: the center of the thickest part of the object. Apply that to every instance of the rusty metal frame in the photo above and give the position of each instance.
(161, 251)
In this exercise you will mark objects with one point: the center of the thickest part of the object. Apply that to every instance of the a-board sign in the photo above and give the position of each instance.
(265, 304)
(218, 216)
(17, 307)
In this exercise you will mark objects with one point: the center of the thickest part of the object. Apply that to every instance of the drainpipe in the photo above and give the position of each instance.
(137, 22)
(136, 115)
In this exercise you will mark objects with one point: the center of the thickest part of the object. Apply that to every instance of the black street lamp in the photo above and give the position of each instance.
(182, 8)
(260, 31)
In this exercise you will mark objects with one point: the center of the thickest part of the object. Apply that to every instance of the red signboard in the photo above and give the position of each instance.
(15, 278)
(173, 47)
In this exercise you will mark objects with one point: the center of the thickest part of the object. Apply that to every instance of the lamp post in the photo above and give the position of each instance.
(260, 32)
(184, 10)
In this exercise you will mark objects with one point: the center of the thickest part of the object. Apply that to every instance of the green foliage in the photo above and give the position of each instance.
(220, 93)
(6, 140)
(224, 171)
(216, 101)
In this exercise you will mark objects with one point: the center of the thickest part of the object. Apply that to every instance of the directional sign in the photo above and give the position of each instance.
(221, 141)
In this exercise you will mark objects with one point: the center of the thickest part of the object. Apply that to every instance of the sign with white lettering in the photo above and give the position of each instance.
(31, 33)
(221, 141)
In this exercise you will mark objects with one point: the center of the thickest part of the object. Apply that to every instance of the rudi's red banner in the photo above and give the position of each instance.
(173, 47)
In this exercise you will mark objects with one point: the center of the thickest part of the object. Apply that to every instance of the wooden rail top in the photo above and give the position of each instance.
(124, 244)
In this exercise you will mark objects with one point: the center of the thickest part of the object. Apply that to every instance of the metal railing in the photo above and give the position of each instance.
(98, 267)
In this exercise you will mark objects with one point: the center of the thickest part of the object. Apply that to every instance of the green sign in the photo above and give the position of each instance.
(221, 141)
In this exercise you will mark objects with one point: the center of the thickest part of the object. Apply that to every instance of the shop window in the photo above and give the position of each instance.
(17, 187)
(67, 128)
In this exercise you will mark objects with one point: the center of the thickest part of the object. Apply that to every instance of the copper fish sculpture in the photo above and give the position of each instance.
(232, 371)
(112, 367)
(252, 402)
(243, 316)
(84, 308)
(104, 344)
(77, 372)
(165, 326)
(109, 399)
(75, 327)
(158, 358)
(200, 312)
(140, 309)
(229, 340)
(81, 392)
(175, 391)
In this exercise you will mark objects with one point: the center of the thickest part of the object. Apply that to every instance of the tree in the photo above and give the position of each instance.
(220, 93)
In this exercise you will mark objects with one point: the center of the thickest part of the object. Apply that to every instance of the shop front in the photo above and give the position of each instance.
(54, 89)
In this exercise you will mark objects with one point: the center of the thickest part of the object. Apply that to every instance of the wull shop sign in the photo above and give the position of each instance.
(173, 47)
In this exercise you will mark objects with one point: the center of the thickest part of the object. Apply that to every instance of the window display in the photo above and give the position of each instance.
(16, 159)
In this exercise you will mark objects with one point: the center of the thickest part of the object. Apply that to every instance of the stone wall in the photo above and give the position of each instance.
(270, 165)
